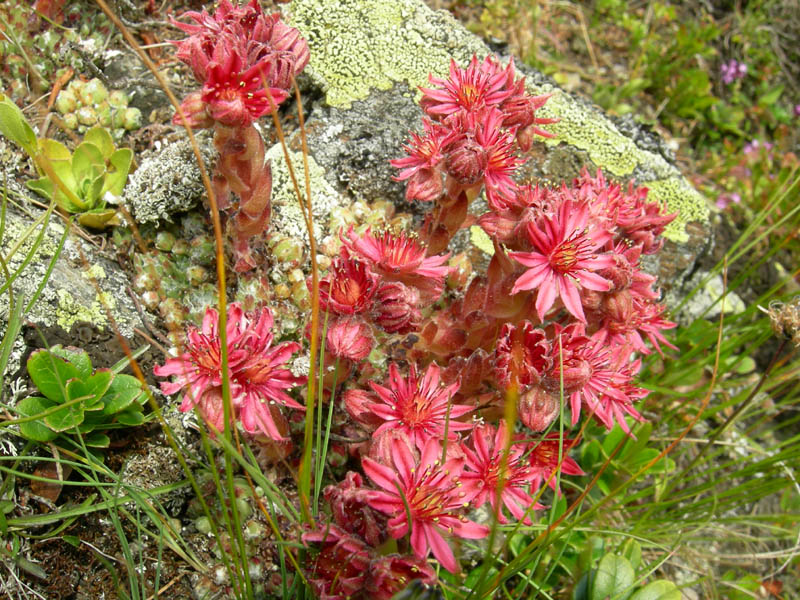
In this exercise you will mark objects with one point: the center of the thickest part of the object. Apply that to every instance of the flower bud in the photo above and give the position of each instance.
(538, 408)
(349, 338)
(576, 373)
(395, 309)
(466, 161)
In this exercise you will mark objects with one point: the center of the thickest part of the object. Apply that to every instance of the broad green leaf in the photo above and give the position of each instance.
(100, 137)
(50, 374)
(99, 218)
(15, 127)
(42, 186)
(87, 161)
(658, 590)
(632, 550)
(123, 391)
(65, 418)
(54, 151)
(97, 440)
(35, 430)
(120, 163)
(130, 418)
(77, 356)
(771, 97)
(90, 390)
(613, 579)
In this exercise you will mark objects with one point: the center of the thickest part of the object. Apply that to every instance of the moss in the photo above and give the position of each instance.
(70, 311)
(360, 45)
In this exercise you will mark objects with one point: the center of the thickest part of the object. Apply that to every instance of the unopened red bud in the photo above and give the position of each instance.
(538, 408)
(395, 309)
(425, 185)
(349, 338)
(618, 306)
(466, 161)
(576, 373)
(517, 112)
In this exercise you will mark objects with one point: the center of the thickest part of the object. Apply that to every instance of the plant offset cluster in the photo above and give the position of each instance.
(80, 182)
(246, 62)
(555, 323)
(77, 399)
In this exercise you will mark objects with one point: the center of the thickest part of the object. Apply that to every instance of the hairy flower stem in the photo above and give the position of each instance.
(221, 284)
(447, 218)
(241, 169)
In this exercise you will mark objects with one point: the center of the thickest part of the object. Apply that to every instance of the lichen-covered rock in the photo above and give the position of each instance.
(83, 286)
(168, 180)
(354, 145)
(362, 49)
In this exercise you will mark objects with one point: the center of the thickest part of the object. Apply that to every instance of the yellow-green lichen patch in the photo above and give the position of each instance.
(360, 45)
(70, 311)
(589, 130)
(481, 240)
(682, 198)
(95, 272)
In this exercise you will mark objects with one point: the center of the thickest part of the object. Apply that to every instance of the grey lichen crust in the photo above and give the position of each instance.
(168, 180)
(287, 218)
(361, 45)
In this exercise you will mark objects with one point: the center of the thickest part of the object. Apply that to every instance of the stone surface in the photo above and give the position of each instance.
(368, 56)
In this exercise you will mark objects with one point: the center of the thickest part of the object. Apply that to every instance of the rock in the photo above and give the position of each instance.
(369, 57)
(84, 281)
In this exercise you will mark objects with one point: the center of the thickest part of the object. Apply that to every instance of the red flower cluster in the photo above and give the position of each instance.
(480, 117)
(377, 284)
(241, 56)
(346, 564)
(256, 370)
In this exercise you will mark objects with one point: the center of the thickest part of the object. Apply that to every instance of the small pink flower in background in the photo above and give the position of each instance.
(430, 493)
(350, 339)
(419, 407)
(400, 258)
(544, 461)
(563, 253)
(755, 146)
(732, 70)
(724, 200)
(482, 474)
(797, 110)
(257, 372)
(479, 85)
